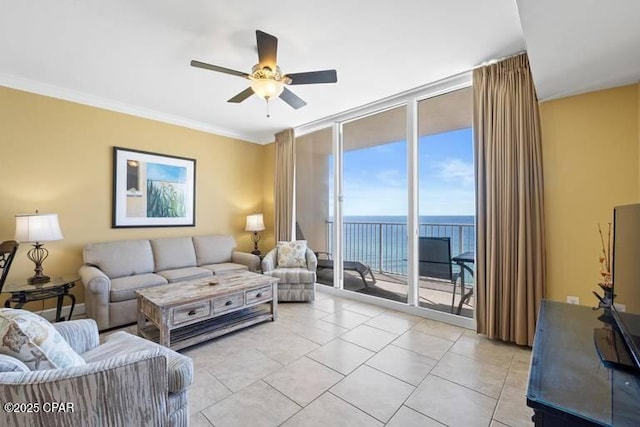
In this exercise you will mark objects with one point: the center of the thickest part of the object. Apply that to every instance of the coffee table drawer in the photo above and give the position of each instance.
(257, 295)
(227, 303)
(190, 312)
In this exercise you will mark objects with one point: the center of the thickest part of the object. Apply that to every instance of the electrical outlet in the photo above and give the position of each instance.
(620, 307)
(573, 300)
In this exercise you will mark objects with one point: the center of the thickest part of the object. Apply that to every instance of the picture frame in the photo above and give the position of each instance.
(152, 189)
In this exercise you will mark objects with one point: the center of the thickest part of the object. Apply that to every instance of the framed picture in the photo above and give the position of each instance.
(153, 190)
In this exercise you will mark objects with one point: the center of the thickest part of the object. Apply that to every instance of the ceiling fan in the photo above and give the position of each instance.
(267, 80)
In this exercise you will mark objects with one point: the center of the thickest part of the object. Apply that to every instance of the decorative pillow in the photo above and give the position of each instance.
(292, 254)
(11, 364)
(34, 341)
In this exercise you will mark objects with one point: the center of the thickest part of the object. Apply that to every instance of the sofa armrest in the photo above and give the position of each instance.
(124, 390)
(94, 280)
(312, 260)
(97, 287)
(269, 261)
(82, 335)
(250, 260)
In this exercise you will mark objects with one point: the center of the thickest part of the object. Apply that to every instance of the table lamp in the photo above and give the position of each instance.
(38, 228)
(255, 223)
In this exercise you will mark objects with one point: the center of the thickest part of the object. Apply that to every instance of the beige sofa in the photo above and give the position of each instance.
(113, 271)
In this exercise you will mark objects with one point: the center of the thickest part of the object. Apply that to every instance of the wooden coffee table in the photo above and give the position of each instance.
(182, 314)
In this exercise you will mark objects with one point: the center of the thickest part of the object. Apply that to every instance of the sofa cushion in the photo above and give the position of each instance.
(224, 267)
(121, 258)
(173, 252)
(293, 275)
(34, 341)
(180, 368)
(183, 274)
(292, 254)
(124, 288)
(213, 249)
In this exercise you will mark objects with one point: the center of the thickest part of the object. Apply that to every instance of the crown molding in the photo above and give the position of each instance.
(83, 98)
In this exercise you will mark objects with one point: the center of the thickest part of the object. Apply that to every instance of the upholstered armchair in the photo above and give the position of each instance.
(297, 283)
(126, 381)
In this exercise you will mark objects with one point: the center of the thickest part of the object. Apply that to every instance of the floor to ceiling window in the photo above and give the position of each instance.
(374, 204)
(314, 183)
(446, 206)
(400, 177)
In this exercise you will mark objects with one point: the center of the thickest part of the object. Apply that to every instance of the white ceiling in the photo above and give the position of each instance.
(133, 56)
(578, 46)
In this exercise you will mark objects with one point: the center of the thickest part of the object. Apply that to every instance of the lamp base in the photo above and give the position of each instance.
(255, 238)
(37, 280)
(37, 255)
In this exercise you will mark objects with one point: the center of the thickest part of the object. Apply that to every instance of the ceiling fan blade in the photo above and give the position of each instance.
(292, 99)
(199, 64)
(312, 77)
(242, 95)
(267, 50)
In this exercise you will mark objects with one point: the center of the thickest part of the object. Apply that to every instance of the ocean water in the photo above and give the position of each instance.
(423, 219)
(381, 241)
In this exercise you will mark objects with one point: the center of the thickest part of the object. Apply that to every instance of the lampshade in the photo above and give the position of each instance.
(267, 88)
(254, 223)
(37, 227)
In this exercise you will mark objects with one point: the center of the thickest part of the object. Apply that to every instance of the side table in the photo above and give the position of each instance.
(57, 287)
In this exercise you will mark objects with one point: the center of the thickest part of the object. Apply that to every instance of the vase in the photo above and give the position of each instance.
(607, 300)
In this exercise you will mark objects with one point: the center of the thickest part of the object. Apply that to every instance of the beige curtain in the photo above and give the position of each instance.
(510, 255)
(285, 164)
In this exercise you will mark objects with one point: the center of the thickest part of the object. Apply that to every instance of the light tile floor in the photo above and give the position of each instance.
(341, 362)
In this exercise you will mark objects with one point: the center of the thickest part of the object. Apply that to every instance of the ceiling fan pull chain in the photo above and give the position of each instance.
(268, 114)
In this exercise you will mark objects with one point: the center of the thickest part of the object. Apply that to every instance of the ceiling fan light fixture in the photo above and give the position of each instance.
(267, 88)
(267, 79)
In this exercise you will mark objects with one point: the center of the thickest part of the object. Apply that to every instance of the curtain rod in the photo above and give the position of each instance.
(495, 61)
(315, 125)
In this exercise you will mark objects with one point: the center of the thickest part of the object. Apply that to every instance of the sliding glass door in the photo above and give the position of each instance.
(446, 194)
(314, 198)
(374, 204)
(391, 192)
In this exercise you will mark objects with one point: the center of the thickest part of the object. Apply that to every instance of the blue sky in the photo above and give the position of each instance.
(159, 172)
(375, 178)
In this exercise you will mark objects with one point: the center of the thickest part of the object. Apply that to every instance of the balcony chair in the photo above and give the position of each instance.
(325, 261)
(434, 256)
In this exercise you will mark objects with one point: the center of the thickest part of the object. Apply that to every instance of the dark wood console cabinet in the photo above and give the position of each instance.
(568, 383)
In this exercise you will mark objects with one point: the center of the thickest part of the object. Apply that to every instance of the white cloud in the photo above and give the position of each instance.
(456, 170)
(385, 192)
(368, 199)
(446, 201)
(392, 178)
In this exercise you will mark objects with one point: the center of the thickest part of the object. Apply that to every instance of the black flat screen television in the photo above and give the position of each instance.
(626, 277)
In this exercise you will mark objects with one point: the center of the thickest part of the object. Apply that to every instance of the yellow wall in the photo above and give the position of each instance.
(591, 149)
(56, 156)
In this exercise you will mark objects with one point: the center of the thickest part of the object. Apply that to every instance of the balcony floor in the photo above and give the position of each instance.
(434, 294)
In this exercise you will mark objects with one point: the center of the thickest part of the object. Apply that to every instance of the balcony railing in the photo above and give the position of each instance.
(383, 245)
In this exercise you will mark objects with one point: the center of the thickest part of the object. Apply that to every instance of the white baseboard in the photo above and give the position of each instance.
(50, 313)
